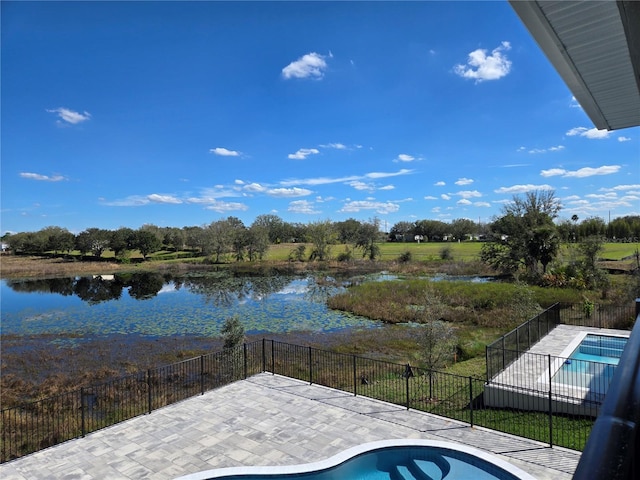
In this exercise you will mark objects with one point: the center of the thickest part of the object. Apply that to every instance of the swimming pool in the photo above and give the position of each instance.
(592, 364)
(385, 460)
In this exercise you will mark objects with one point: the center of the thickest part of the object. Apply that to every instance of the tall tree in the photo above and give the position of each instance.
(526, 232)
(146, 241)
(367, 238)
(322, 235)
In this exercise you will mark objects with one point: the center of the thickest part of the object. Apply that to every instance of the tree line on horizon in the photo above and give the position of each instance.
(534, 215)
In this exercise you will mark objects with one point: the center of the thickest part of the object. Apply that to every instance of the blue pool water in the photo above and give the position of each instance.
(393, 462)
(593, 363)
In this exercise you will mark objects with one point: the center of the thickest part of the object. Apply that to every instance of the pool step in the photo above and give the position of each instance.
(417, 470)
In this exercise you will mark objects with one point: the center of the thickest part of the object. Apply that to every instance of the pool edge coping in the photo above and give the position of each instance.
(353, 452)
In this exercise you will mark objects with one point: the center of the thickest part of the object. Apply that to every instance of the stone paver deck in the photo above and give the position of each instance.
(266, 420)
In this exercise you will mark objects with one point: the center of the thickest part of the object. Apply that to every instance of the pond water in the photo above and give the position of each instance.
(151, 304)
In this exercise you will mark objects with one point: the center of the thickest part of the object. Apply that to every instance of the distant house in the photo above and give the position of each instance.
(4, 247)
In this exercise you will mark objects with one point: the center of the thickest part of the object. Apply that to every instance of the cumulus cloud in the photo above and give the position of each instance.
(582, 172)
(311, 65)
(156, 198)
(378, 207)
(69, 116)
(303, 206)
(469, 194)
(444, 196)
(403, 157)
(430, 197)
(522, 188)
(464, 181)
(337, 146)
(556, 148)
(42, 178)
(623, 139)
(480, 66)
(387, 187)
(289, 192)
(223, 207)
(591, 133)
(440, 184)
(303, 153)
(223, 152)
(463, 201)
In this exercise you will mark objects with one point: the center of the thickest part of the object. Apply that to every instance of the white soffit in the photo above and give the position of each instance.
(595, 47)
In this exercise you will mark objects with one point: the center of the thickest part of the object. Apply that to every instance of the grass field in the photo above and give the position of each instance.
(465, 251)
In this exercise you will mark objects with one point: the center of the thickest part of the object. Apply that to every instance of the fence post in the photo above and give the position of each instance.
(244, 355)
(355, 377)
(503, 354)
(310, 368)
(550, 405)
(149, 389)
(201, 374)
(471, 401)
(264, 355)
(83, 428)
(273, 358)
(408, 373)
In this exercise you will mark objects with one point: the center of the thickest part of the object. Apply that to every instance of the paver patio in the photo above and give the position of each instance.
(266, 420)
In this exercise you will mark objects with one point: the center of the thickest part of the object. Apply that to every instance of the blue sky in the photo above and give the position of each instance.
(179, 114)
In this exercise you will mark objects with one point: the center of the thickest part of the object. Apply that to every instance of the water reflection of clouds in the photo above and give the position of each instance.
(297, 287)
(168, 288)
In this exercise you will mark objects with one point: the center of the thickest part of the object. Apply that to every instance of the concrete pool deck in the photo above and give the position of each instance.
(524, 384)
(266, 420)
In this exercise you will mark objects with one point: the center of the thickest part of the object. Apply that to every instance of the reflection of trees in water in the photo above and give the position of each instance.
(321, 287)
(145, 285)
(61, 286)
(222, 289)
(225, 289)
(95, 289)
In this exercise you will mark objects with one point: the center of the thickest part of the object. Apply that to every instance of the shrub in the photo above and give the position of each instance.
(405, 257)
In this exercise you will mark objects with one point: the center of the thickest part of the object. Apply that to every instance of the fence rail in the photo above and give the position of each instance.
(36, 425)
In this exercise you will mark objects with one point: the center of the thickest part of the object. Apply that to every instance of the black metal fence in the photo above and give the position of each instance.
(509, 348)
(36, 425)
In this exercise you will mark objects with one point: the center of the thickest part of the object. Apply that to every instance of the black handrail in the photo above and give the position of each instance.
(612, 451)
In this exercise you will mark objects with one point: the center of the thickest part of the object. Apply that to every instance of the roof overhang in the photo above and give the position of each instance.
(595, 47)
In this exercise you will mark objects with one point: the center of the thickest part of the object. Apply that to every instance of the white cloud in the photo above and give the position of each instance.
(403, 157)
(254, 188)
(360, 185)
(523, 188)
(469, 194)
(574, 103)
(591, 133)
(42, 178)
(351, 178)
(337, 146)
(403, 171)
(481, 66)
(310, 65)
(302, 206)
(619, 188)
(430, 197)
(222, 207)
(379, 207)
(69, 116)
(582, 172)
(289, 192)
(481, 204)
(387, 187)
(156, 198)
(556, 148)
(444, 196)
(624, 139)
(464, 181)
(440, 184)
(463, 201)
(303, 153)
(223, 152)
